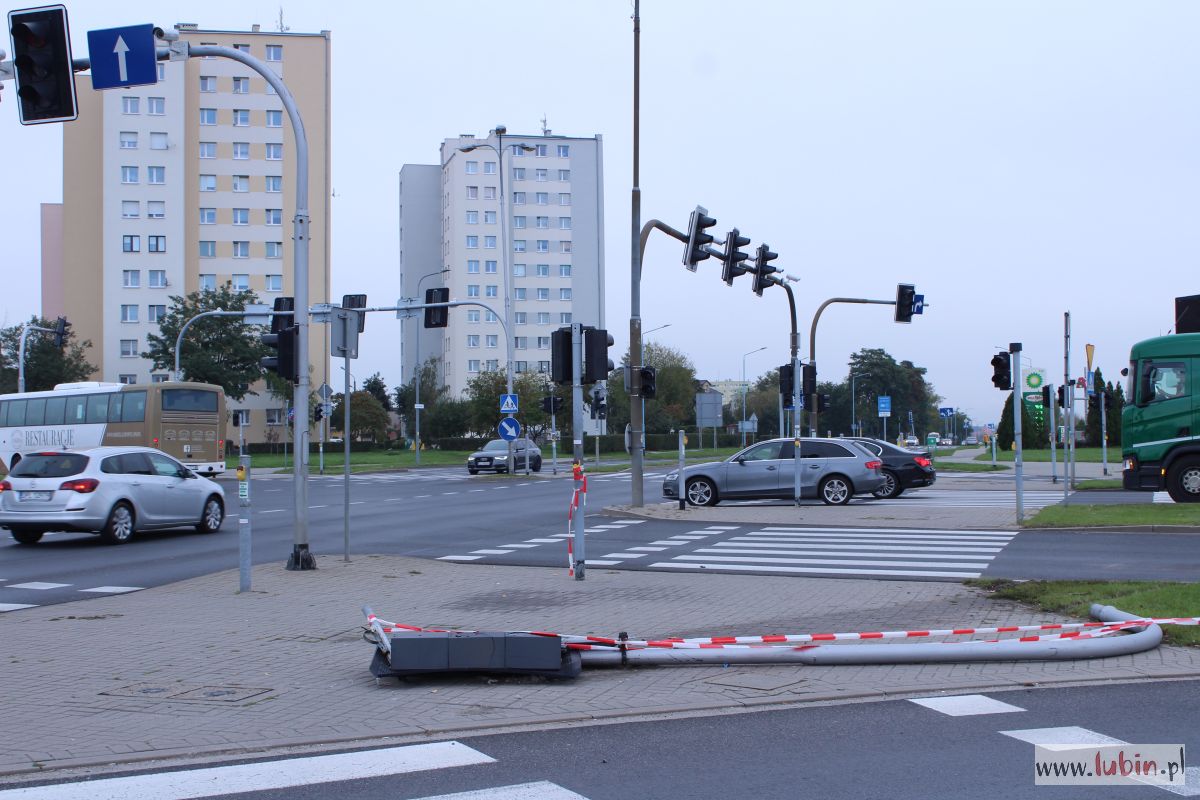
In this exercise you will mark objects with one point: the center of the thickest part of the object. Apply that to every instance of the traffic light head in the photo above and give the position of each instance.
(283, 363)
(60, 332)
(809, 380)
(649, 389)
(596, 363)
(733, 264)
(561, 356)
(1001, 371)
(762, 268)
(787, 378)
(1045, 395)
(437, 317)
(318, 411)
(906, 297)
(1062, 396)
(356, 301)
(281, 322)
(698, 238)
(41, 43)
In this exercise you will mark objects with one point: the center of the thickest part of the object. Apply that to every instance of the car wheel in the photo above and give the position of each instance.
(119, 527)
(1183, 481)
(891, 486)
(537, 465)
(213, 516)
(835, 491)
(473, 471)
(702, 492)
(27, 535)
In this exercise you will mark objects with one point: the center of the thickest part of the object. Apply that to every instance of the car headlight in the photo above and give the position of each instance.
(500, 458)
(672, 476)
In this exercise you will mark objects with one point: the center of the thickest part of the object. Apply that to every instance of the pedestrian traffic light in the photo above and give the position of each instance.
(357, 301)
(281, 321)
(45, 76)
(1062, 397)
(732, 266)
(551, 404)
(649, 389)
(283, 363)
(1045, 395)
(319, 409)
(698, 238)
(596, 363)
(762, 268)
(808, 379)
(437, 317)
(787, 377)
(906, 297)
(60, 332)
(1001, 371)
(561, 356)
(824, 403)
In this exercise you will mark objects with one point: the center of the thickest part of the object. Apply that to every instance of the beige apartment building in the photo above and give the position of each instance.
(186, 185)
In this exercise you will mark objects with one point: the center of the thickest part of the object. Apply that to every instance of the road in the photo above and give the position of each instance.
(445, 514)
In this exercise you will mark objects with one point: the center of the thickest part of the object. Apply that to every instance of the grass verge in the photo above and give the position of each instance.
(1099, 483)
(967, 466)
(1093, 516)
(1147, 598)
(1091, 455)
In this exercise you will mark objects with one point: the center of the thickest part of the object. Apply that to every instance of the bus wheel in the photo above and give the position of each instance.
(27, 535)
(1183, 481)
(214, 515)
(119, 528)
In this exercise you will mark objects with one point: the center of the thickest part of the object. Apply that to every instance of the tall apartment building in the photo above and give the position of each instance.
(183, 186)
(550, 226)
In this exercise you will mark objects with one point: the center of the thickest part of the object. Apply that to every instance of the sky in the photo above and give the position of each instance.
(1014, 159)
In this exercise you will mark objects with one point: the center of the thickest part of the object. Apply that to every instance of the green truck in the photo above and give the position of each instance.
(1160, 424)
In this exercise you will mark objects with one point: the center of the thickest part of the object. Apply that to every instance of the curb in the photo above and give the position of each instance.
(1183, 529)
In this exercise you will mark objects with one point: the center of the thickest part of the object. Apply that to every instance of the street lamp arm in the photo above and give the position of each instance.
(217, 313)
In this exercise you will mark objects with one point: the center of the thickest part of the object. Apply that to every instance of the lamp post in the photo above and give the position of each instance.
(854, 431)
(752, 352)
(417, 375)
(642, 400)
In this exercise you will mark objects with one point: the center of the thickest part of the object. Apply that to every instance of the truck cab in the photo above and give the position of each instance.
(1160, 436)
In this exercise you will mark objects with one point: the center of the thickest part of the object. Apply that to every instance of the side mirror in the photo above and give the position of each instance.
(741, 460)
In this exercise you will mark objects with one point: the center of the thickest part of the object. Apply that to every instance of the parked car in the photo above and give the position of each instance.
(832, 470)
(902, 468)
(494, 456)
(113, 491)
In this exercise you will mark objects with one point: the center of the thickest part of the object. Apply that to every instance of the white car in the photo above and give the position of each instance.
(112, 491)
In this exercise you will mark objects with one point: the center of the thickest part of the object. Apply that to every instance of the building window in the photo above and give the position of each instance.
(130, 209)
(489, 242)
(156, 209)
(131, 278)
(520, 342)
(245, 48)
(208, 249)
(564, 223)
(274, 52)
(543, 318)
(564, 294)
(155, 313)
(543, 245)
(241, 183)
(275, 119)
(472, 290)
(493, 364)
(241, 216)
(208, 183)
(542, 175)
(519, 222)
(472, 167)
(564, 174)
(489, 267)
(543, 294)
(158, 279)
(274, 249)
(274, 183)
(274, 216)
(208, 283)
(131, 244)
(518, 198)
(544, 367)
(129, 140)
(127, 379)
(473, 365)
(241, 150)
(472, 192)
(240, 283)
(472, 340)
(522, 317)
(473, 315)
(159, 377)
(158, 244)
(489, 217)
(519, 293)
(493, 341)
(564, 199)
(472, 242)
(518, 270)
(158, 141)
(541, 150)
(274, 283)
(543, 343)
(519, 246)
(564, 270)
(472, 266)
(241, 86)
(156, 176)
(208, 149)
(129, 174)
(543, 198)
(241, 118)
(274, 417)
(564, 318)
(129, 105)
(543, 222)
(275, 151)
(129, 313)
(472, 217)
(208, 83)
(518, 150)
(129, 348)
(543, 270)
(488, 316)
(489, 193)
(491, 290)
(208, 216)
(564, 247)
(208, 116)
(521, 366)
(241, 249)
(564, 151)
(518, 173)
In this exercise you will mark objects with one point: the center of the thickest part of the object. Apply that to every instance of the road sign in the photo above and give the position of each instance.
(325, 393)
(918, 304)
(1091, 383)
(885, 405)
(946, 412)
(122, 57)
(508, 404)
(1081, 383)
(256, 314)
(509, 429)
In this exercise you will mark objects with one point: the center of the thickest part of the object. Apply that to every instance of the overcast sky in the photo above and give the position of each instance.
(1014, 160)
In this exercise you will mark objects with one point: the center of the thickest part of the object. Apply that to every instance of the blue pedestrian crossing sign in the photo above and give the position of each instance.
(509, 429)
(123, 57)
(508, 404)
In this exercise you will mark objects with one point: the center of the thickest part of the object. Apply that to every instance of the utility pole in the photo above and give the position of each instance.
(1018, 404)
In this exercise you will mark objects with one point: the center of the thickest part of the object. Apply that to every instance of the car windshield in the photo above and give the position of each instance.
(498, 444)
(49, 465)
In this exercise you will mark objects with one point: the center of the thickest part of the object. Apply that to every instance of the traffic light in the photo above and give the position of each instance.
(437, 317)
(1062, 397)
(602, 407)
(732, 266)
(1045, 395)
(1001, 371)
(762, 269)
(45, 77)
(596, 363)
(808, 379)
(787, 377)
(649, 390)
(906, 297)
(60, 332)
(281, 321)
(824, 403)
(283, 363)
(357, 301)
(319, 408)
(698, 238)
(560, 356)
(551, 404)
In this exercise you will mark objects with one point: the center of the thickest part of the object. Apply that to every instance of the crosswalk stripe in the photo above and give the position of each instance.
(965, 705)
(541, 790)
(14, 606)
(810, 553)
(998, 543)
(459, 558)
(37, 586)
(922, 531)
(844, 562)
(906, 573)
(113, 589)
(885, 544)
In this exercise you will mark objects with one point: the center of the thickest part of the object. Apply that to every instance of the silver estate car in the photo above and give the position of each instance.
(112, 491)
(832, 470)
(494, 456)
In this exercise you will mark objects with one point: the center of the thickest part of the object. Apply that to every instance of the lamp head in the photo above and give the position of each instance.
(500, 130)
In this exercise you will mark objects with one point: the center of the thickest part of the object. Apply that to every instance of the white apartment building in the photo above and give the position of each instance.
(529, 208)
(186, 185)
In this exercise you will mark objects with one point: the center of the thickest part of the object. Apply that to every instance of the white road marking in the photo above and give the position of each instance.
(519, 546)
(598, 562)
(647, 549)
(914, 531)
(273, 511)
(14, 606)
(114, 589)
(491, 552)
(821, 571)
(624, 555)
(459, 558)
(667, 542)
(686, 538)
(542, 790)
(965, 705)
(38, 585)
(1061, 738)
(723, 527)
(321, 506)
(422, 496)
(846, 562)
(542, 541)
(812, 551)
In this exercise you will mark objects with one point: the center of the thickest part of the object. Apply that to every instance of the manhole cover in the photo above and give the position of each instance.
(755, 680)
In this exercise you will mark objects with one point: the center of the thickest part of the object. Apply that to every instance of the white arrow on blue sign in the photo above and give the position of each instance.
(508, 404)
(509, 429)
(123, 57)
(946, 412)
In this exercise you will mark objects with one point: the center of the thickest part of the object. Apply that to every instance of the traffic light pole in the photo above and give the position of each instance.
(813, 414)
(1053, 436)
(794, 343)
(25, 329)
(1018, 405)
(580, 539)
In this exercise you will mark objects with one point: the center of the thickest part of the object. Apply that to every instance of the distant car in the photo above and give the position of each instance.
(971, 440)
(902, 468)
(834, 471)
(945, 442)
(113, 491)
(912, 441)
(494, 456)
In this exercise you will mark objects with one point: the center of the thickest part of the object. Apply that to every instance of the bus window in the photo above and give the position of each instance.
(189, 400)
(114, 407)
(54, 410)
(16, 413)
(3, 414)
(133, 407)
(35, 411)
(97, 408)
(76, 406)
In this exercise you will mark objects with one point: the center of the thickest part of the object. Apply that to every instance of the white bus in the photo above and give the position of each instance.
(184, 420)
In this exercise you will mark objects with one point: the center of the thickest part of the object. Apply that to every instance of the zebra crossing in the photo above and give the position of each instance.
(28, 589)
(969, 498)
(554, 538)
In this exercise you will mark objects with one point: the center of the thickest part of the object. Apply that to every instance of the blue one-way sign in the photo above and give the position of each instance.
(509, 429)
(122, 57)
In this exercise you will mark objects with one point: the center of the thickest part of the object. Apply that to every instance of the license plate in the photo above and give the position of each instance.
(36, 496)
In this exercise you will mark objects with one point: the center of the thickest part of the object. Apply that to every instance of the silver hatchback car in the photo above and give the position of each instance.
(832, 470)
(112, 491)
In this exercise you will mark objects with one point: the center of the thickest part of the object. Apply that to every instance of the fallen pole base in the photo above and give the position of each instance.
(500, 653)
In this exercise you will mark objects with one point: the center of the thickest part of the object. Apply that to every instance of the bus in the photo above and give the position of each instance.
(185, 420)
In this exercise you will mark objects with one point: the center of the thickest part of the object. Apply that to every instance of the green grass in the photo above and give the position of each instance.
(1146, 598)
(1091, 455)
(368, 461)
(1099, 483)
(967, 466)
(1091, 516)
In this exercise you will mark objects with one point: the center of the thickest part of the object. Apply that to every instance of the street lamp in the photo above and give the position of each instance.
(417, 372)
(659, 328)
(752, 352)
(854, 431)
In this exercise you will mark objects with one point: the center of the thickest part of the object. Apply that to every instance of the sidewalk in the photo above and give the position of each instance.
(194, 671)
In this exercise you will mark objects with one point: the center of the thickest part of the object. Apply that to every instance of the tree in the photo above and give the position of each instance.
(378, 388)
(449, 418)
(368, 420)
(432, 393)
(674, 404)
(45, 364)
(220, 350)
(1091, 429)
(483, 401)
(1032, 429)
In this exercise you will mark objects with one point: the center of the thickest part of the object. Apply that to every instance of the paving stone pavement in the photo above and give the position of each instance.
(196, 670)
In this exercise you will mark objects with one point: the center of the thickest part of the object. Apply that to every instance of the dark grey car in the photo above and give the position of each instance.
(494, 456)
(832, 470)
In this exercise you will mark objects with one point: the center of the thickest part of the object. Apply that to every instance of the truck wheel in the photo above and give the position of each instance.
(1183, 481)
